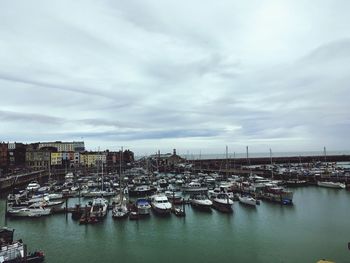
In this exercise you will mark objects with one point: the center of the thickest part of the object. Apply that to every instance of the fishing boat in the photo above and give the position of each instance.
(222, 203)
(336, 185)
(143, 206)
(160, 204)
(201, 201)
(247, 200)
(99, 208)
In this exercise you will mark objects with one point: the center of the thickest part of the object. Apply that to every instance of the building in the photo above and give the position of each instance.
(90, 159)
(167, 159)
(3, 158)
(56, 158)
(64, 146)
(16, 155)
(39, 158)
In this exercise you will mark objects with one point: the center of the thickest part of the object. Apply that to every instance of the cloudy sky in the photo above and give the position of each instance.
(192, 75)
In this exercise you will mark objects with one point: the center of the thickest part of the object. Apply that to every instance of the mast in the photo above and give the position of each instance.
(102, 172)
(325, 154)
(120, 175)
(226, 161)
(271, 163)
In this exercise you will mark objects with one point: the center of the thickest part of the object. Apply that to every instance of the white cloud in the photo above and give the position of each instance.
(171, 74)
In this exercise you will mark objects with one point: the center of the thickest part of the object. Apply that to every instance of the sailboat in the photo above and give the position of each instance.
(120, 209)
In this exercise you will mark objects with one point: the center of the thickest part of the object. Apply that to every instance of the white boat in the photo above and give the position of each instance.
(223, 203)
(143, 206)
(194, 187)
(45, 203)
(120, 211)
(33, 186)
(337, 185)
(160, 204)
(248, 200)
(54, 196)
(201, 201)
(99, 208)
(30, 212)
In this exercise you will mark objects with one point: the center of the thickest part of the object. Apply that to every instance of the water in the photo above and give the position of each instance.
(316, 227)
(260, 154)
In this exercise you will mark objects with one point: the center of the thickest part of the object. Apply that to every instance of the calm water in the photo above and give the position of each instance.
(317, 226)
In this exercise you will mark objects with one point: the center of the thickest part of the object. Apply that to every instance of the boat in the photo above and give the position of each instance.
(134, 215)
(160, 204)
(99, 208)
(278, 194)
(141, 190)
(222, 203)
(336, 185)
(33, 186)
(173, 197)
(143, 206)
(120, 209)
(15, 251)
(296, 182)
(201, 201)
(29, 212)
(194, 187)
(247, 200)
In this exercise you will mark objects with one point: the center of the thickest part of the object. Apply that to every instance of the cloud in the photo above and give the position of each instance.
(188, 75)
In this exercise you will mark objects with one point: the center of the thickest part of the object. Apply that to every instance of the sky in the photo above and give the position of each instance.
(192, 75)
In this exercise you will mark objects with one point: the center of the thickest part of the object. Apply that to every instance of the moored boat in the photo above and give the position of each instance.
(160, 204)
(143, 206)
(99, 208)
(29, 212)
(247, 200)
(336, 185)
(222, 203)
(201, 201)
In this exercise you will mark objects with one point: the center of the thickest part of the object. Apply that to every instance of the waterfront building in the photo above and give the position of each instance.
(64, 146)
(93, 158)
(39, 158)
(56, 158)
(16, 155)
(3, 157)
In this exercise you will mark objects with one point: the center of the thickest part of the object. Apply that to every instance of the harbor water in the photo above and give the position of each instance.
(317, 226)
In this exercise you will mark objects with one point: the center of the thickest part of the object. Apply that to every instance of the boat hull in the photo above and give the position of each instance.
(222, 207)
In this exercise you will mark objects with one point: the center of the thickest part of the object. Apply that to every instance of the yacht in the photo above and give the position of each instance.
(30, 212)
(201, 201)
(141, 190)
(222, 203)
(337, 185)
(160, 204)
(247, 200)
(33, 186)
(143, 206)
(194, 187)
(99, 208)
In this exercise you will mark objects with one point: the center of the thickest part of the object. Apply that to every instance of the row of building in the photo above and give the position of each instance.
(46, 155)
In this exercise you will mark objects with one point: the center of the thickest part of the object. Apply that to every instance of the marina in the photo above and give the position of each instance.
(268, 233)
(245, 212)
